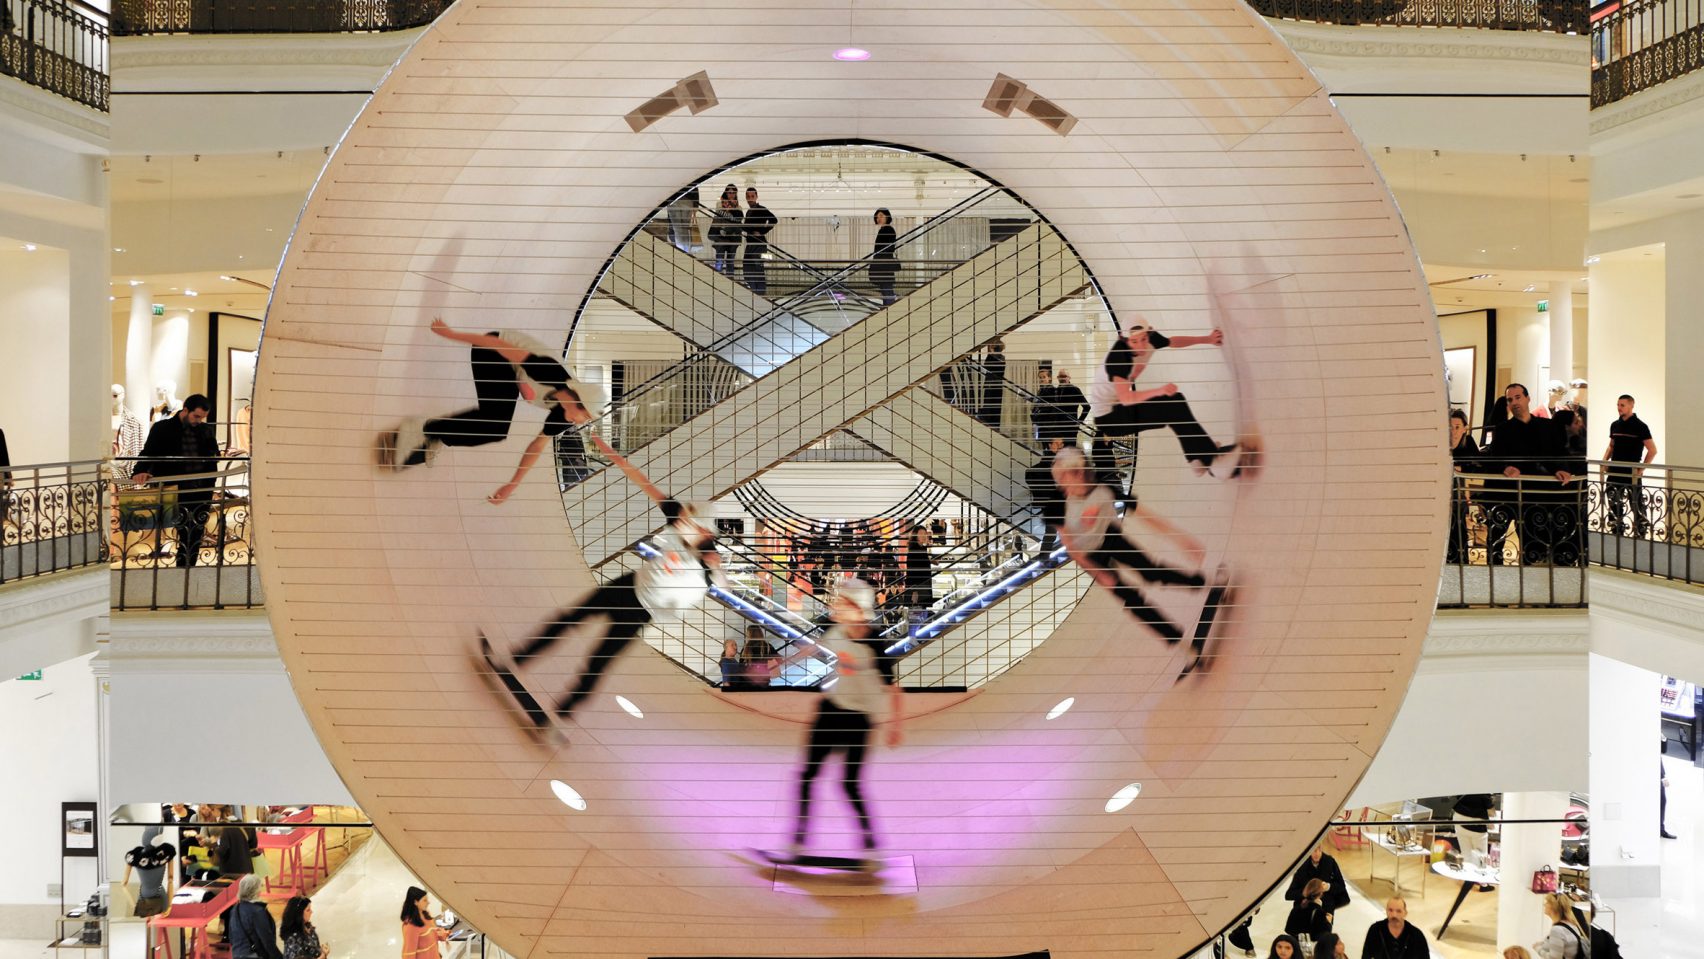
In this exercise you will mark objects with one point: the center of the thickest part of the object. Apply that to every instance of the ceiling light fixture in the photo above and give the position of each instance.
(627, 705)
(1063, 707)
(852, 53)
(1593, 260)
(29, 247)
(118, 249)
(1124, 797)
(135, 282)
(190, 293)
(570, 798)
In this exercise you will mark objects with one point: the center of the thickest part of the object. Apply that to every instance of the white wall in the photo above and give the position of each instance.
(1626, 728)
(48, 755)
(35, 305)
(1627, 344)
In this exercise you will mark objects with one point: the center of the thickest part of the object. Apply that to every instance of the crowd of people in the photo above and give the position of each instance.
(1317, 893)
(1526, 477)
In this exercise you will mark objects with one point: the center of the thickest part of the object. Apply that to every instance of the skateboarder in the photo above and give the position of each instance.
(676, 578)
(1121, 410)
(1095, 538)
(506, 366)
(862, 695)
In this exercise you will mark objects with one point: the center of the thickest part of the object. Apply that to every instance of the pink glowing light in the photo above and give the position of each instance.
(851, 53)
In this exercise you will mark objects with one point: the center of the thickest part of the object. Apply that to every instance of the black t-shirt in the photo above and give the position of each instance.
(672, 509)
(758, 222)
(1121, 357)
(1627, 439)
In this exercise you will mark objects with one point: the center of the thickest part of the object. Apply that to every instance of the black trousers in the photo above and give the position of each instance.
(194, 505)
(1136, 418)
(756, 274)
(1624, 494)
(843, 731)
(495, 386)
(1115, 551)
(619, 600)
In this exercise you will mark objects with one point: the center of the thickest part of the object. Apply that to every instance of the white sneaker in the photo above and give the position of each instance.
(1226, 464)
(410, 438)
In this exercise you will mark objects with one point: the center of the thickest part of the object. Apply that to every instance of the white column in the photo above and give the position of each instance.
(1561, 333)
(1626, 728)
(1524, 850)
(139, 352)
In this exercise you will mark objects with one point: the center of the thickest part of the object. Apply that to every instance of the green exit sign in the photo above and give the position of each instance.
(1544, 306)
(159, 309)
(32, 674)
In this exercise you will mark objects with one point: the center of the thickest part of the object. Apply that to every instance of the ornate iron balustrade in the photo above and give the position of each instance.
(57, 45)
(185, 541)
(50, 518)
(133, 18)
(1550, 16)
(1639, 44)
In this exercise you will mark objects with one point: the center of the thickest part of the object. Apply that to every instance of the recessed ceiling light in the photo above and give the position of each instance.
(1593, 260)
(1063, 707)
(570, 798)
(1530, 287)
(1124, 797)
(627, 705)
(190, 293)
(851, 53)
(29, 247)
(112, 299)
(118, 249)
(135, 282)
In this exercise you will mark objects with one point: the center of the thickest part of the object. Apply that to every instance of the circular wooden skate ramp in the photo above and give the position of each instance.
(1202, 176)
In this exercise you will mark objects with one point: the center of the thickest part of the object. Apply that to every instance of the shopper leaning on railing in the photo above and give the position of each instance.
(184, 446)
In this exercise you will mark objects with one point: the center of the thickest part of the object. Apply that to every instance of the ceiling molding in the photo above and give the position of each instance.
(34, 603)
(1647, 103)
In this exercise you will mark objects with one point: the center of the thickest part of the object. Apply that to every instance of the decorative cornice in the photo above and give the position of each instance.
(64, 117)
(78, 594)
(1498, 633)
(210, 641)
(1674, 606)
(1418, 43)
(1647, 103)
(371, 51)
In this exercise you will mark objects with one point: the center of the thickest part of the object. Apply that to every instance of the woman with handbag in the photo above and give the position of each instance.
(884, 259)
(1566, 939)
(420, 935)
(249, 925)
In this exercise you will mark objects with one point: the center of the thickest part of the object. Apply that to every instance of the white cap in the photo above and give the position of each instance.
(859, 594)
(591, 395)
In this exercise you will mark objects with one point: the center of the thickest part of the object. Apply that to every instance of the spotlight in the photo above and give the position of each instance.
(570, 798)
(851, 53)
(1120, 799)
(627, 705)
(1063, 707)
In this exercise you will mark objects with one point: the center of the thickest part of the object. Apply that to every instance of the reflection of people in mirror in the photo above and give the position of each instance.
(683, 566)
(1095, 536)
(507, 366)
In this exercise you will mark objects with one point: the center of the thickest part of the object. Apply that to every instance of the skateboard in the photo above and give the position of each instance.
(538, 718)
(1219, 596)
(834, 863)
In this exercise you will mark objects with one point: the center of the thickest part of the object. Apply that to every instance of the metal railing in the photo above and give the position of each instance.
(1550, 16)
(60, 46)
(1647, 520)
(1639, 44)
(186, 542)
(51, 518)
(134, 18)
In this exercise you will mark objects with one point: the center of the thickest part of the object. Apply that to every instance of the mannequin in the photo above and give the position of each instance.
(166, 403)
(151, 861)
(128, 435)
(242, 424)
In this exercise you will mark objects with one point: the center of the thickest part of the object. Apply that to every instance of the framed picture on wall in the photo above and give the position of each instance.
(1460, 373)
(77, 822)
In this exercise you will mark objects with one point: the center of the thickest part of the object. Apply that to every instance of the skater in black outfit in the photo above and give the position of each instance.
(506, 368)
(1096, 540)
(864, 694)
(1121, 410)
(676, 578)
(758, 222)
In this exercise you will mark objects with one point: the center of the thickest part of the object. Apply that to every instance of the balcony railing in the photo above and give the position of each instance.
(50, 518)
(1524, 541)
(1550, 16)
(1639, 44)
(57, 45)
(134, 18)
(185, 542)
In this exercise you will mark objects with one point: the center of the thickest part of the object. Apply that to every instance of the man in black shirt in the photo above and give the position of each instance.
(1530, 452)
(758, 222)
(1629, 442)
(1058, 412)
(183, 444)
(1122, 410)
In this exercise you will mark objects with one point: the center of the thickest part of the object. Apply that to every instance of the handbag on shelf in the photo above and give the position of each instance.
(1544, 880)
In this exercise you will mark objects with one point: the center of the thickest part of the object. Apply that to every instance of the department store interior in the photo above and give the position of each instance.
(248, 556)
